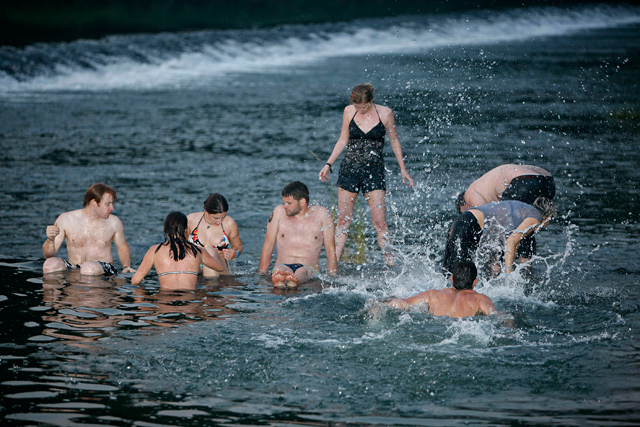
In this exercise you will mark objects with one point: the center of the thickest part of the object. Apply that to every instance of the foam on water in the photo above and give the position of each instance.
(196, 59)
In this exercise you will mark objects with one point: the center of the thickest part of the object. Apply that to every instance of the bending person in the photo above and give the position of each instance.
(508, 182)
(215, 231)
(88, 233)
(459, 301)
(177, 261)
(364, 125)
(299, 231)
(506, 229)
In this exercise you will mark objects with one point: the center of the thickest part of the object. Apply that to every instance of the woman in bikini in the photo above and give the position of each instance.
(177, 261)
(364, 125)
(215, 231)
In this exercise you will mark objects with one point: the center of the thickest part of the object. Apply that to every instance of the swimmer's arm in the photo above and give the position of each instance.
(402, 303)
(524, 229)
(269, 243)
(213, 261)
(55, 237)
(329, 238)
(234, 238)
(145, 266)
(390, 125)
(122, 247)
(486, 306)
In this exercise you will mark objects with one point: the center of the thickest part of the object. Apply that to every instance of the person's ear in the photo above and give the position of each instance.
(451, 278)
(475, 282)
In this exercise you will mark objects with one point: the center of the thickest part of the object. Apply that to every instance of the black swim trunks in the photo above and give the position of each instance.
(462, 243)
(109, 269)
(527, 188)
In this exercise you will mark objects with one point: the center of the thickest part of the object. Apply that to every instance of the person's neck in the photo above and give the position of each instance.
(303, 213)
(90, 214)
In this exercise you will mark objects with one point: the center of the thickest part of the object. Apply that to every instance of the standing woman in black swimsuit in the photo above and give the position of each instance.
(364, 125)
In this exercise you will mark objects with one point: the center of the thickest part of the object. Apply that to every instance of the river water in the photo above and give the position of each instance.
(168, 119)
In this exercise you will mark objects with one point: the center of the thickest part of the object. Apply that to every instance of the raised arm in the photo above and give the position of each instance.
(55, 237)
(145, 266)
(269, 243)
(234, 237)
(340, 145)
(527, 227)
(390, 124)
(124, 253)
(213, 261)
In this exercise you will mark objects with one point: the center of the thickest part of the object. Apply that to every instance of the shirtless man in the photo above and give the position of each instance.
(508, 182)
(88, 233)
(299, 231)
(459, 301)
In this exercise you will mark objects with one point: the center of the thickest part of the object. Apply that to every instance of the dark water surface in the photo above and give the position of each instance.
(171, 118)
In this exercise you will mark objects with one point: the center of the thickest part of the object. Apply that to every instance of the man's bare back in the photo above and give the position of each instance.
(490, 186)
(452, 302)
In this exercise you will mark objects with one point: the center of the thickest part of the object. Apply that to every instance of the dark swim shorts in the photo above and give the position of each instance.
(364, 182)
(527, 188)
(109, 269)
(294, 267)
(462, 243)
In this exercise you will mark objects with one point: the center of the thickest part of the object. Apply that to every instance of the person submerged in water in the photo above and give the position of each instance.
(524, 183)
(215, 231)
(177, 261)
(299, 231)
(458, 301)
(88, 233)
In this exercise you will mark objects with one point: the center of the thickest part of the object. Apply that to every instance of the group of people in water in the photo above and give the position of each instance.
(501, 211)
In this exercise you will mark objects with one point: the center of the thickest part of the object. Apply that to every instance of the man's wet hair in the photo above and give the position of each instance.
(297, 190)
(216, 203)
(464, 274)
(545, 206)
(96, 191)
(460, 202)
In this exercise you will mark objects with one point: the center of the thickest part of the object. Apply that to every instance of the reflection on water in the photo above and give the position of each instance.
(85, 309)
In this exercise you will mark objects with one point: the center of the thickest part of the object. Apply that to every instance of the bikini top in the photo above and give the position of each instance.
(193, 237)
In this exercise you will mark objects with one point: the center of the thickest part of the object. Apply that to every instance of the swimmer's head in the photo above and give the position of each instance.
(96, 191)
(175, 226)
(546, 207)
(297, 190)
(362, 94)
(461, 204)
(216, 203)
(464, 275)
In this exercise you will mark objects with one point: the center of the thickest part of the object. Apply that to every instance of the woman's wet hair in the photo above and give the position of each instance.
(216, 203)
(362, 94)
(464, 274)
(545, 206)
(175, 236)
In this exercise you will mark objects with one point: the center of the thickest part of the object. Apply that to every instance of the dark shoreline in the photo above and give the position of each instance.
(32, 21)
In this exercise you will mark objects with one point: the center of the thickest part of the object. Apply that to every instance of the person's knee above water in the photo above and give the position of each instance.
(364, 126)
(88, 234)
(214, 230)
(524, 183)
(297, 231)
(458, 301)
(177, 260)
(507, 225)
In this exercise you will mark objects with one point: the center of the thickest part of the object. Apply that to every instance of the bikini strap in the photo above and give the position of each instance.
(198, 224)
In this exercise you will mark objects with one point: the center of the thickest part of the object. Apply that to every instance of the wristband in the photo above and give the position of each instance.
(329, 164)
(238, 252)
